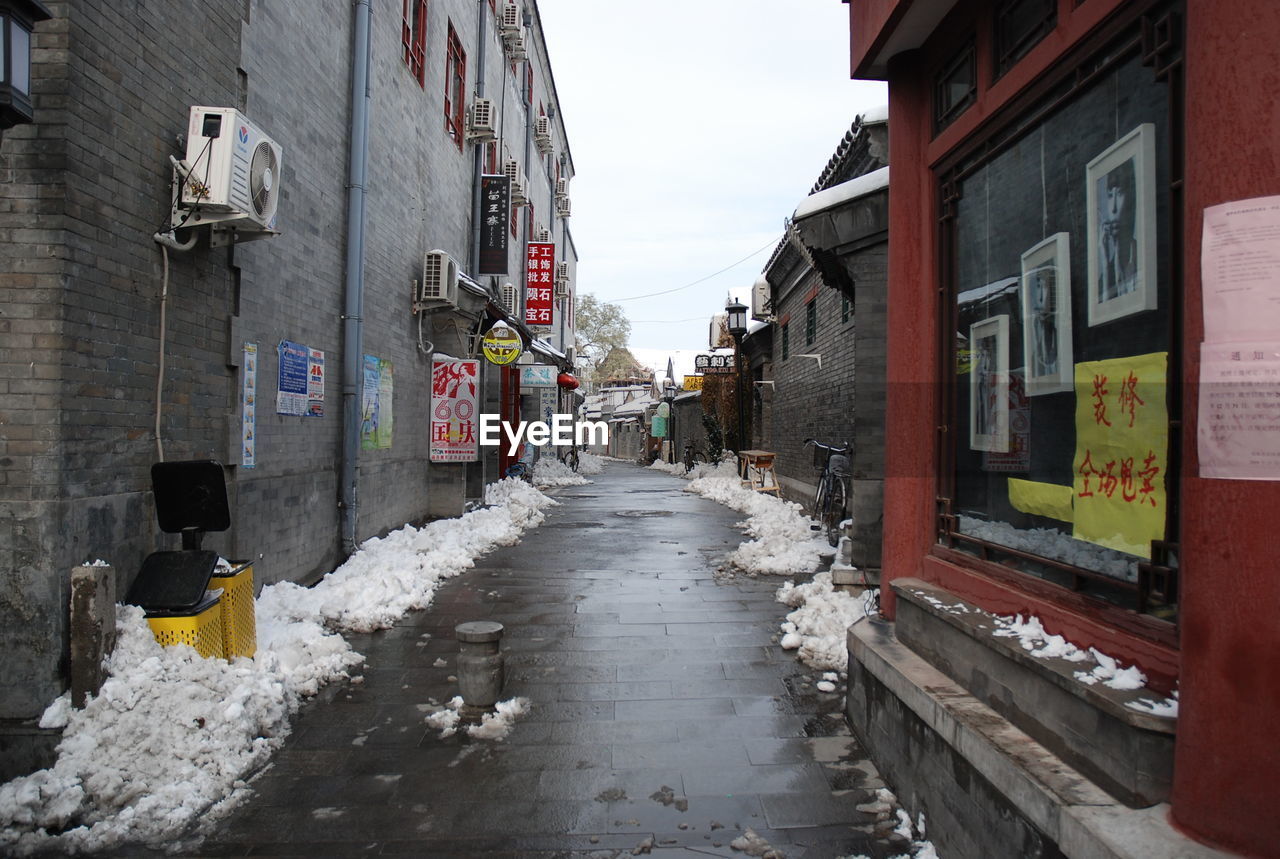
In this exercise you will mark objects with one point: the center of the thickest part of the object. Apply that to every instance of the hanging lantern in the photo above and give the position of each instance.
(567, 381)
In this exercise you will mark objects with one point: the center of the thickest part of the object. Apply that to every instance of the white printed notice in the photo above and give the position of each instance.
(1239, 426)
(1240, 270)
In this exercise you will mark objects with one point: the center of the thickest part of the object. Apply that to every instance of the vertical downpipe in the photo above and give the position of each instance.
(352, 321)
(476, 203)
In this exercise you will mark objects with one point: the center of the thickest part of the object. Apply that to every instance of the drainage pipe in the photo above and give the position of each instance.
(353, 310)
(478, 148)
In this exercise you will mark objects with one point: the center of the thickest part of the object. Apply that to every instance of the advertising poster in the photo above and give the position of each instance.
(291, 386)
(375, 404)
(495, 203)
(248, 407)
(315, 383)
(1121, 458)
(539, 299)
(454, 410)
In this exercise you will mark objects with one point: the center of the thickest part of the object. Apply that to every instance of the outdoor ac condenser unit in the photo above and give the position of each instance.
(509, 18)
(231, 174)
(480, 124)
(439, 280)
(509, 294)
(542, 134)
(519, 197)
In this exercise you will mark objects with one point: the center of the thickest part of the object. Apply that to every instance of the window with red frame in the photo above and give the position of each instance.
(455, 85)
(413, 36)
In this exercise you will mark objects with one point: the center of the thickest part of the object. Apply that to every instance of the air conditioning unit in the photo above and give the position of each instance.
(562, 187)
(509, 296)
(480, 121)
(439, 282)
(544, 235)
(515, 47)
(231, 174)
(542, 134)
(562, 287)
(563, 208)
(509, 18)
(519, 182)
(562, 271)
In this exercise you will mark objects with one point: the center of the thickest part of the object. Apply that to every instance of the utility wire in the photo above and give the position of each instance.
(772, 242)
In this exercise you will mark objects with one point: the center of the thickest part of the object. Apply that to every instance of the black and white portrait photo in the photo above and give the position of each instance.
(1046, 316)
(1120, 191)
(989, 385)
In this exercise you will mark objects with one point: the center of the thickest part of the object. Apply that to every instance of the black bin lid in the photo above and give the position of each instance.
(190, 495)
(172, 581)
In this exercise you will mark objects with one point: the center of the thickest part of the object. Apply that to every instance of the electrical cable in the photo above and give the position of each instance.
(164, 297)
(772, 242)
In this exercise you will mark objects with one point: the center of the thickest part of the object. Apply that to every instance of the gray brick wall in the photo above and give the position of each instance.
(85, 187)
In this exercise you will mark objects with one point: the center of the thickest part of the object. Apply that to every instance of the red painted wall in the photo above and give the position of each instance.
(1226, 788)
(1228, 754)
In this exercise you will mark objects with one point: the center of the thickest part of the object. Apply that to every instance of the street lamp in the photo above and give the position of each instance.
(737, 313)
(669, 396)
(17, 19)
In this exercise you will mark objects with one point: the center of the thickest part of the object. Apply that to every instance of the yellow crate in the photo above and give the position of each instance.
(202, 630)
(239, 623)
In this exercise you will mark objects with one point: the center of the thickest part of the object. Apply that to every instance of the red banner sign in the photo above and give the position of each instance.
(539, 302)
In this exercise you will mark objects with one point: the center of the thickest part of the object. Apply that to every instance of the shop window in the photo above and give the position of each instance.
(1060, 256)
(413, 37)
(810, 322)
(455, 87)
(1020, 25)
(955, 87)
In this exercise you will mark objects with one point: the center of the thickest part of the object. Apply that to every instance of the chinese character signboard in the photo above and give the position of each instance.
(539, 300)
(495, 213)
(315, 383)
(1121, 458)
(291, 381)
(713, 364)
(538, 376)
(454, 418)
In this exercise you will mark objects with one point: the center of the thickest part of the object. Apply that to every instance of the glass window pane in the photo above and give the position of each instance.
(20, 57)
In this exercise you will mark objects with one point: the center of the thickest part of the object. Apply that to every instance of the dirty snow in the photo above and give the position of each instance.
(1037, 642)
(493, 726)
(171, 737)
(549, 471)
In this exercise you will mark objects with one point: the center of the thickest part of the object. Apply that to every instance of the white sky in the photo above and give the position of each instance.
(695, 127)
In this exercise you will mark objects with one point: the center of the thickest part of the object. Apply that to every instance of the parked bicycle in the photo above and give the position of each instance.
(692, 457)
(830, 503)
(570, 457)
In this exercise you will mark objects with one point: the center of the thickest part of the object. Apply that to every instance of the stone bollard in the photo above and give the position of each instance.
(93, 629)
(480, 664)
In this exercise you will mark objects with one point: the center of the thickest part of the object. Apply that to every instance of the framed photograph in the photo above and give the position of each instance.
(1046, 316)
(989, 385)
(1120, 197)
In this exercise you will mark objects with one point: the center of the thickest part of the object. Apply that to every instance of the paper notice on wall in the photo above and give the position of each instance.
(1240, 270)
(291, 384)
(249, 407)
(1238, 436)
(1122, 447)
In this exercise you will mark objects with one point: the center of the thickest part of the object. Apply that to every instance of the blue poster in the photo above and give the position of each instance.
(291, 389)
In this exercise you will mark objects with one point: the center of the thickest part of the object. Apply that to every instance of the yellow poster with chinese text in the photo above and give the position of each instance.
(1122, 447)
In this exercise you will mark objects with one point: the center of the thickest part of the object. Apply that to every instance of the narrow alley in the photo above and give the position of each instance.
(664, 717)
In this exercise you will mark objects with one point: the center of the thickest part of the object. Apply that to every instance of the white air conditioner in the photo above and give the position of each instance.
(542, 134)
(563, 208)
(480, 121)
(519, 182)
(509, 295)
(562, 271)
(439, 280)
(509, 18)
(231, 174)
(562, 187)
(562, 287)
(544, 235)
(515, 47)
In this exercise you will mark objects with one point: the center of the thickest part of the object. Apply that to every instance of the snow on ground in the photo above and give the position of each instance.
(821, 617)
(785, 542)
(590, 463)
(549, 471)
(170, 738)
(493, 726)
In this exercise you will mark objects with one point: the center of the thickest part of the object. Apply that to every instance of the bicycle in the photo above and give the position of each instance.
(692, 457)
(831, 499)
(570, 457)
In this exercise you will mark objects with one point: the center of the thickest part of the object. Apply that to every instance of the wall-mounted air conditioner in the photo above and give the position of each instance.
(509, 297)
(231, 173)
(509, 18)
(562, 271)
(563, 207)
(562, 288)
(439, 284)
(544, 235)
(480, 121)
(542, 134)
(562, 187)
(519, 182)
(517, 52)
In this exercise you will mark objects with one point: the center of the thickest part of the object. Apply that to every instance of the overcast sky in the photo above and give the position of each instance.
(695, 127)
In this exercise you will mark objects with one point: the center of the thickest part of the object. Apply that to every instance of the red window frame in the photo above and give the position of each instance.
(528, 85)
(413, 38)
(455, 87)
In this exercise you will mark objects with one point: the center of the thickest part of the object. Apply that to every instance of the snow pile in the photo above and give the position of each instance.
(493, 726)
(1033, 638)
(171, 735)
(819, 622)
(549, 471)
(1168, 707)
(589, 463)
(785, 541)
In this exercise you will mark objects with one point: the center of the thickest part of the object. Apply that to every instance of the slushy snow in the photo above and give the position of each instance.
(171, 737)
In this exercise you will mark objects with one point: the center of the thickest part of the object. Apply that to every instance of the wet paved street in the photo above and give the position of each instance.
(665, 719)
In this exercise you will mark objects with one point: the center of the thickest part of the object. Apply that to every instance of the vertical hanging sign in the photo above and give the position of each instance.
(454, 418)
(248, 407)
(495, 215)
(540, 265)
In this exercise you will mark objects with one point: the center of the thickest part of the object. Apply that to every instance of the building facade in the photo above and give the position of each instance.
(380, 157)
(1048, 322)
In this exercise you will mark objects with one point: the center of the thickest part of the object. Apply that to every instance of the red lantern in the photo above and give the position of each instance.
(567, 381)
